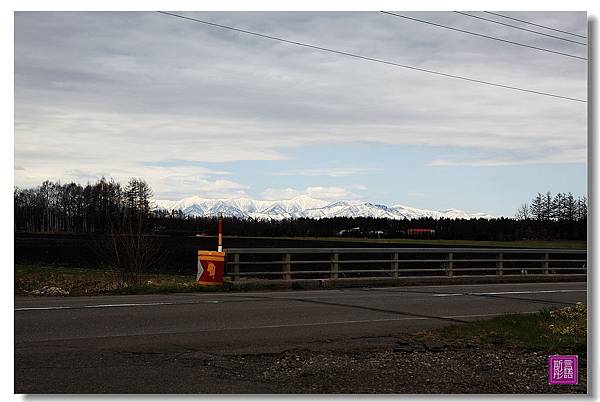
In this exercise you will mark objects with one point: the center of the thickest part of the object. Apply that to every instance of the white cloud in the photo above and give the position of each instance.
(567, 156)
(109, 92)
(178, 187)
(319, 192)
(280, 193)
(329, 172)
(166, 182)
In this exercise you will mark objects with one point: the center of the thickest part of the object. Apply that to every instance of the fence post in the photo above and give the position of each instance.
(546, 263)
(395, 265)
(287, 267)
(450, 264)
(236, 267)
(499, 265)
(334, 266)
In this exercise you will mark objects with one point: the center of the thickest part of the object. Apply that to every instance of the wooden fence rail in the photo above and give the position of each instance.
(292, 263)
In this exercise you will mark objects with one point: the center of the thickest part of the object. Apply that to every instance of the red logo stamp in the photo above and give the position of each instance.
(563, 369)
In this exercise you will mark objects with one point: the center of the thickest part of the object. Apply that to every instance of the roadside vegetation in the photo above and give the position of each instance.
(34, 280)
(551, 331)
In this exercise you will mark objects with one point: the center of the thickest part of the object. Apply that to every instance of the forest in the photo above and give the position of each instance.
(105, 206)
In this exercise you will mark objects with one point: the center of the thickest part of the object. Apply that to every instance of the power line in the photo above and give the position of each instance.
(531, 23)
(521, 28)
(373, 59)
(484, 36)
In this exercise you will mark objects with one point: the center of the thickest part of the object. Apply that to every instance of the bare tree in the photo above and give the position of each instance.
(523, 212)
(130, 248)
(130, 251)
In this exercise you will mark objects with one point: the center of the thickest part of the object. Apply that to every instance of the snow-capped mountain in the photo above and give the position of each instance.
(303, 207)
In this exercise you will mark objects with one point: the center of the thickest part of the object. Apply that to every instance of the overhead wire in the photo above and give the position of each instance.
(439, 73)
(534, 24)
(520, 28)
(484, 36)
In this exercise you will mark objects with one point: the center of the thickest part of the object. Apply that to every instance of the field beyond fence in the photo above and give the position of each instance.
(181, 250)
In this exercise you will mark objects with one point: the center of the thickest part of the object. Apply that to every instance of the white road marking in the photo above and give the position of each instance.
(42, 308)
(284, 298)
(469, 285)
(113, 305)
(508, 293)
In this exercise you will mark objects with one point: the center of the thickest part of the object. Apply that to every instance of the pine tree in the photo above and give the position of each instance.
(537, 207)
(570, 207)
(558, 207)
(547, 206)
(581, 208)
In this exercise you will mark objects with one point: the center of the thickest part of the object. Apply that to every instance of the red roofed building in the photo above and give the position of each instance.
(420, 232)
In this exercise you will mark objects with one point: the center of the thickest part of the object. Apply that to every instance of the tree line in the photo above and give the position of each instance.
(120, 217)
(98, 207)
(561, 207)
(108, 207)
(499, 229)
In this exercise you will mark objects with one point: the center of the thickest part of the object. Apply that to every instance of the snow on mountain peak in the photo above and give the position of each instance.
(304, 206)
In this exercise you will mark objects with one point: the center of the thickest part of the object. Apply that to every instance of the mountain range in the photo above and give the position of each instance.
(303, 207)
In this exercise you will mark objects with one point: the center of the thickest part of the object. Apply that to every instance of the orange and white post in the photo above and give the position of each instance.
(211, 264)
(220, 219)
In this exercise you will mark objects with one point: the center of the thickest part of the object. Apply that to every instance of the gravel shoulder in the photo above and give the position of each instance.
(405, 364)
(403, 368)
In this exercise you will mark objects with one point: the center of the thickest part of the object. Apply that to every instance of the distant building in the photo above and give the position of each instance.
(346, 232)
(420, 232)
(354, 232)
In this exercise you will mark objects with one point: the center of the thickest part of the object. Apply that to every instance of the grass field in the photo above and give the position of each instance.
(30, 279)
(551, 331)
(557, 244)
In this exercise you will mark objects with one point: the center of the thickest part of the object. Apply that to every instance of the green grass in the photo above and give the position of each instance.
(558, 244)
(551, 331)
(79, 282)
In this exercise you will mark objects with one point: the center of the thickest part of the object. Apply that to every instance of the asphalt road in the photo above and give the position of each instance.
(193, 342)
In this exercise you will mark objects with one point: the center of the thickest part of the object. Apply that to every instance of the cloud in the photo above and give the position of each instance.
(110, 91)
(567, 156)
(319, 192)
(329, 172)
(82, 176)
(280, 193)
(19, 167)
(167, 182)
(174, 188)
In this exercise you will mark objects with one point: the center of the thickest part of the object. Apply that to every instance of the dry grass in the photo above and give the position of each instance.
(81, 282)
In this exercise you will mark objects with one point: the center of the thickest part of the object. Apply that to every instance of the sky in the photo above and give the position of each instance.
(199, 110)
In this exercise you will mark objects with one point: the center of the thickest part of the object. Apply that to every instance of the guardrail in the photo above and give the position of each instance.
(292, 263)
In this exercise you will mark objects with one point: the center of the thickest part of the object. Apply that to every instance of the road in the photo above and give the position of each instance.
(193, 342)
